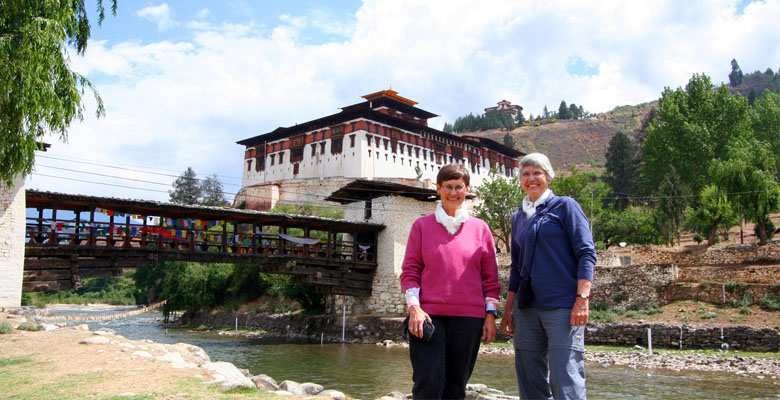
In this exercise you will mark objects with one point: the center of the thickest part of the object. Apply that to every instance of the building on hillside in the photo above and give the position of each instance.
(384, 137)
(507, 107)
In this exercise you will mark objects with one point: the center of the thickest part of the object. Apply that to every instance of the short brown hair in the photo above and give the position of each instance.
(452, 171)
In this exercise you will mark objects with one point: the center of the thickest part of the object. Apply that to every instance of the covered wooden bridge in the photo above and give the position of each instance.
(71, 237)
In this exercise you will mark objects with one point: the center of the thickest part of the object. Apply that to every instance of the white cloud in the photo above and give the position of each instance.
(173, 104)
(160, 15)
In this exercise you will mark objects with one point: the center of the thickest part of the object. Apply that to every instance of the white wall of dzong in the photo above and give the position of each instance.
(12, 225)
(362, 160)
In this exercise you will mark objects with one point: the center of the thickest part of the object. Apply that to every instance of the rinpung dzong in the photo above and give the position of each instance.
(383, 138)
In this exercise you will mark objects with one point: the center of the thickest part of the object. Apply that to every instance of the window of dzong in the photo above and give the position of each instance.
(313, 149)
(401, 148)
(260, 163)
(322, 148)
(337, 131)
(378, 141)
(249, 165)
(296, 155)
(352, 139)
(438, 158)
(281, 158)
(368, 139)
(417, 152)
(273, 159)
(410, 150)
(295, 169)
(335, 145)
(386, 143)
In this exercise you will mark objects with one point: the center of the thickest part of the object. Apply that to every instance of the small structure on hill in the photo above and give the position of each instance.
(507, 107)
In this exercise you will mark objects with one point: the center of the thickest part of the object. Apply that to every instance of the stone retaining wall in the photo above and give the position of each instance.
(369, 329)
(738, 254)
(737, 337)
(766, 274)
(631, 285)
(714, 292)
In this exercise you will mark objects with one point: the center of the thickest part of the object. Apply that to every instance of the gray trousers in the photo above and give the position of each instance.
(549, 354)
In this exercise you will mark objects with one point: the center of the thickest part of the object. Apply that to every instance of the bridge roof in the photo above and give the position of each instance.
(81, 203)
(364, 189)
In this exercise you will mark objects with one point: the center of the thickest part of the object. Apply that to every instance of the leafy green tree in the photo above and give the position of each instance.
(500, 198)
(766, 124)
(186, 188)
(520, 118)
(712, 214)
(633, 225)
(694, 126)
(735, 76)
(39, 93)
(563, 111)
(675, 196)
(211, 192)
(622, 173)
(748, 176)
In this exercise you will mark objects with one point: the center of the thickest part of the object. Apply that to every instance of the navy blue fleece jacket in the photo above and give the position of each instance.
(557, 240)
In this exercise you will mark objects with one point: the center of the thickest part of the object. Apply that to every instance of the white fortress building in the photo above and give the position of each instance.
(383, 138)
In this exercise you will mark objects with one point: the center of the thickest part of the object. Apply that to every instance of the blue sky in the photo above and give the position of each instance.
(183, 80)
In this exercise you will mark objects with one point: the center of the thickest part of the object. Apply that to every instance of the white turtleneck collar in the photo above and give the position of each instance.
(452, 224)
(529, 207)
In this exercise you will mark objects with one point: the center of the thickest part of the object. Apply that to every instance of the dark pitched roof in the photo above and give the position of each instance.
(364, 189)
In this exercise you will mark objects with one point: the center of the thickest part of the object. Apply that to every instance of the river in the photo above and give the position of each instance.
(371, 371)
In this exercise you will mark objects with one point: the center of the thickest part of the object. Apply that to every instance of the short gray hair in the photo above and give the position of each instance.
(538, 160)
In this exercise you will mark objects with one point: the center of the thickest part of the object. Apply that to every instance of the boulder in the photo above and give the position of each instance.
(396, 396)
(334, 394)
(265, 383)
(95, 340)
(292, 387)
(311, 388)
(230, 376)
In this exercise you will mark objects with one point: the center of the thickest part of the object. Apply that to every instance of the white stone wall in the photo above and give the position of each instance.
(12, 223)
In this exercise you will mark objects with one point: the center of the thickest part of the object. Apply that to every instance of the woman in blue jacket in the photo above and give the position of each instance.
(551, 244)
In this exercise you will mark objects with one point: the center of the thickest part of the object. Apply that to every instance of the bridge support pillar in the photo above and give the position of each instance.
(12, 225)
(397, 213)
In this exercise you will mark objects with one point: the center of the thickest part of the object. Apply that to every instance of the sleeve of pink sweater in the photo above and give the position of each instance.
(411, 269)
(490, 285)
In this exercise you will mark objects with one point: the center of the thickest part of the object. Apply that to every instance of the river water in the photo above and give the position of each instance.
(369, 371)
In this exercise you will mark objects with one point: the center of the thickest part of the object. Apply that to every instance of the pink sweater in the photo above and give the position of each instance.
(454, 272)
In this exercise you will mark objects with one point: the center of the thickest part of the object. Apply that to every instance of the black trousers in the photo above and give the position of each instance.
(442, 367)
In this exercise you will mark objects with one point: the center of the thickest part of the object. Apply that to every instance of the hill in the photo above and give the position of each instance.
(579, 143)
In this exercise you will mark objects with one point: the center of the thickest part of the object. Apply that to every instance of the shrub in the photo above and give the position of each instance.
(606, 316)
(5, 327)
(770, 302)
(732, 286)
(29, 326)
(745, 310)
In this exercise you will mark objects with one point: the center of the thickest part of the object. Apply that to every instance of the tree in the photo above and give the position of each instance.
(672, 203)
(574, 111)
(748, 176)
(735, 77)
(186, 188)
(545, 112)
(563, 111)
(586, 189)
(712, 214)
(39, 93)
(694, 126)
(766, 122)
(622, 174)
(634, 225)
(500, 198)
(211, 192)
(509, 141)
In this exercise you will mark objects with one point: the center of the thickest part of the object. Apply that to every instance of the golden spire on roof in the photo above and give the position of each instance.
(390, 93)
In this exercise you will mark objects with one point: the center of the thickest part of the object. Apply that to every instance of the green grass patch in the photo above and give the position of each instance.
(6, 328)
(7, 362)
(770, 302)
(769, 355)
(29, 326)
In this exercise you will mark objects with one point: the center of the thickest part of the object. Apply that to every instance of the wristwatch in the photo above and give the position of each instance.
(583, 295)
(492, 312)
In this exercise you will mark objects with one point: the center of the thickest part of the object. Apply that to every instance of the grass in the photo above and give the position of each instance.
(769, 355)
(24, 378)
(5, 328)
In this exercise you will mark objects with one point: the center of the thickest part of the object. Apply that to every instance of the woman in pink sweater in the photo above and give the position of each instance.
(450, 279)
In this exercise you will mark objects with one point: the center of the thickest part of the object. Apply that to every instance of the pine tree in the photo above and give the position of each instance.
(563, 111)
(735, 77)
(212, 193)
(622, 172)
(186, 188)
